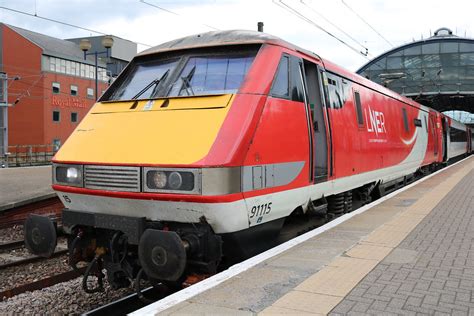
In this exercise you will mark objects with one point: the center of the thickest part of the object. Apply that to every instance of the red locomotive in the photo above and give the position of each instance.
(205, 145)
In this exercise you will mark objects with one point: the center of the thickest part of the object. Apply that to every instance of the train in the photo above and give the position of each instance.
(205, 147)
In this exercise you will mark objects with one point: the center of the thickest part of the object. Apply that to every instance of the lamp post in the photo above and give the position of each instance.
(85, 45)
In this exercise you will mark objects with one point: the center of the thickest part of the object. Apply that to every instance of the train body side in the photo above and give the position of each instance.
(271, 140)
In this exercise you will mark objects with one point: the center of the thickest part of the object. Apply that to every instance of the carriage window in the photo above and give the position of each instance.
(405, 119)
(358, 104)
(280, 83)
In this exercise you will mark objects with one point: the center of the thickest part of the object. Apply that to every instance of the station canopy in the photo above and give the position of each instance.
(437, 72)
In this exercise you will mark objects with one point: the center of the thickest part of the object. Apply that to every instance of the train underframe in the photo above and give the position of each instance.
(130, 248)
(134, 248)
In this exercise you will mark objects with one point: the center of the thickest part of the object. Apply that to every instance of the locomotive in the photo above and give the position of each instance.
(204, 147)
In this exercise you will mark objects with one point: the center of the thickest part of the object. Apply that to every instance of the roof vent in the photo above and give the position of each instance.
(444, 31)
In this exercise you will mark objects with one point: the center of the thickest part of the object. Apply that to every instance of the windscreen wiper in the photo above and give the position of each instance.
(186, 82)
(155, 83)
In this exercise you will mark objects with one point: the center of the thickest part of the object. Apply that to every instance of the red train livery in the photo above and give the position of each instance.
(204, 147)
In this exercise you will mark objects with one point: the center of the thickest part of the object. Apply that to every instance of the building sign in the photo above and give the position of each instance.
(68, 102)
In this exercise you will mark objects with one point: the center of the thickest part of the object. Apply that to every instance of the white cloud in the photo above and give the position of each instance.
(398, 21)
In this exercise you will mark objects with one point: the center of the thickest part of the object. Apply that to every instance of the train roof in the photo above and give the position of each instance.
(242, 37)
(221, 38)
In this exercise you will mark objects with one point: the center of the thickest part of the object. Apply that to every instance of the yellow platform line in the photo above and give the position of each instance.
(324, 290)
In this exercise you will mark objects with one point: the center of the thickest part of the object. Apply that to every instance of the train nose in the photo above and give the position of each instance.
(162, 254)
(40, 235)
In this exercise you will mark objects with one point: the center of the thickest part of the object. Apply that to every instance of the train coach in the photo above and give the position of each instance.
(205, 146)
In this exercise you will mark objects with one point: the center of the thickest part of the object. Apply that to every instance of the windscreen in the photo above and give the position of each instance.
(185, 75)
(211, 75)
(144, 80)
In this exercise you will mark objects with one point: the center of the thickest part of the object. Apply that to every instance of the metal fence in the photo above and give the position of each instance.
(28, 155)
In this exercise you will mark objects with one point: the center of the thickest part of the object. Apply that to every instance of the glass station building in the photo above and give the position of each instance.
(437, 72)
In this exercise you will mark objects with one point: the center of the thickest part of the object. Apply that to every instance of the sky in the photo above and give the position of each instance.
(373, 24)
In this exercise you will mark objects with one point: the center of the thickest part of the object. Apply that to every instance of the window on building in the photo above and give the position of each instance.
(56, 87)
(73, 117)
(63, 66)
(56, 116)
(68, 67)
(52, 64)
(73, 90)
(56, 144)
(90, 93)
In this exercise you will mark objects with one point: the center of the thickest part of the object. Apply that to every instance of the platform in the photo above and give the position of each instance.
(20, 186)
(408, 252)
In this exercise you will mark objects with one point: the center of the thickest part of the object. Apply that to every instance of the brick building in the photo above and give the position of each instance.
(56, 84)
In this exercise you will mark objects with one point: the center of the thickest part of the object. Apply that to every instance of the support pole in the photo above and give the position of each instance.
(4, 118)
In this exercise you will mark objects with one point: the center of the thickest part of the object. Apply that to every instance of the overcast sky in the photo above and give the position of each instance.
(399, 21)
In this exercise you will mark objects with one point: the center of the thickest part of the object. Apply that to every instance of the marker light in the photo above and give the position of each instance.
(175, 180)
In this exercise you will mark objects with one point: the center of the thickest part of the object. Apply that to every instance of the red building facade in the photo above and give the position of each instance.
(54, 90)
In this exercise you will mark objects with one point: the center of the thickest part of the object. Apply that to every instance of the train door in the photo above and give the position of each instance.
(445, 131)
(319, 121)
(433, 133)
(469, 140)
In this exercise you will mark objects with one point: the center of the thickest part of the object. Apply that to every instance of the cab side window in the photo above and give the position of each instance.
(296, 82)
(280, 87)
(335, 91)
(288, 81)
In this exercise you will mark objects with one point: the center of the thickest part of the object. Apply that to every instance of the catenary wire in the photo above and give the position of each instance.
(174, 13)
(61, 22)
(335, 26)
(295, 12)
(367, 23)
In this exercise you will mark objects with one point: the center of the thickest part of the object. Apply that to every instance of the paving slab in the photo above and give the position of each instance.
(430, 271)
(20, 186)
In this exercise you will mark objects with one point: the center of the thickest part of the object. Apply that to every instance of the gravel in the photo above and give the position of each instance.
(18, 275)
(23, 253)
(62, 298)
(11, 234)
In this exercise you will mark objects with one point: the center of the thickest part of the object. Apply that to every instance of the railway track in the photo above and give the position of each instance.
(32, 259)
(129, 303)
(40, 284)
(12, 245)
(17, 215)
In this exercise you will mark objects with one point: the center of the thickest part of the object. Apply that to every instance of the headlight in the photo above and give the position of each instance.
(68, 175)
(72, 174)
(182, 181)
(156, 179)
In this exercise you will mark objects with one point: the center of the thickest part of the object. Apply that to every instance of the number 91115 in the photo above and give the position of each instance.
(260, 210)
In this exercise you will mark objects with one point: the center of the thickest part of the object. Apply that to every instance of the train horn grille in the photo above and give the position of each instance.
(112, 178)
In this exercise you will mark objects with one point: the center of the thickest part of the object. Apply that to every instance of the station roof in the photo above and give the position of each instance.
(437, 72)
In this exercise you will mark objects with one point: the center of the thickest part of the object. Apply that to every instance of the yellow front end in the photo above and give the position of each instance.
(173, 131)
